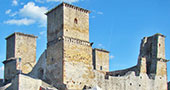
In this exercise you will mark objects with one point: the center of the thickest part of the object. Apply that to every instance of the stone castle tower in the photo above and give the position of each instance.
(21, 54)
(69, 49)
(152, 60)
(153, 50)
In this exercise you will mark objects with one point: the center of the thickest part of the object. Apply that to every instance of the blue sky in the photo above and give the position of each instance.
(115, 25)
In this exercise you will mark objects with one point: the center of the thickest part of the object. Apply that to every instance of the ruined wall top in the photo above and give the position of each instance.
(159, 34)
(69, 5)
(103, 50)
(23, 34)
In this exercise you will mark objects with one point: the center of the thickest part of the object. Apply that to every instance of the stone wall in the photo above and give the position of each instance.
(76, 22)
(20, 45)
(77, 50)
(54, 69)
(1, 82)
(39, 69)
(33, 85)
(55, 23)
(21, 54)
(128, 82)
(25, 48)
(77, 65)
(10, 46)
(122, 72)
(101, 59)
(23, 82)
(10, 70)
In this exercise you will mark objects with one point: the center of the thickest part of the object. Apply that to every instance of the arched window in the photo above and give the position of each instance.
(75, 21)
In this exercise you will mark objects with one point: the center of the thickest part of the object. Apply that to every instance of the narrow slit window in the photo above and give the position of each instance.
(100, 67)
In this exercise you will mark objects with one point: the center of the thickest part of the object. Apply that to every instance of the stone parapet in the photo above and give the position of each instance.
(71, 6)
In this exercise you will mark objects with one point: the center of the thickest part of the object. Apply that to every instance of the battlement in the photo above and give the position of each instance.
(70, 6)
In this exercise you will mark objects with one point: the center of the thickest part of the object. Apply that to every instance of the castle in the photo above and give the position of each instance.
(70, 62)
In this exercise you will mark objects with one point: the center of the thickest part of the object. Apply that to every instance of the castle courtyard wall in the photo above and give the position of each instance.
(128, 82)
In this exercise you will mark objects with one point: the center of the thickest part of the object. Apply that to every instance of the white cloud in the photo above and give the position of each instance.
(8, 11)
(40, 1)
(30, 10)
(94, 12)
(68, 1)
(13, 14)
(24, 21)
(97, 12)
(93, 16)
(43, 33)
(100, 13)
(22, 3)
(111, 57)
(14, 3)
(100, 46)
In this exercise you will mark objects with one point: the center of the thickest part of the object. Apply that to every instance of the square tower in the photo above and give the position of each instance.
(101, 59)
(153, 49)
(21, 50)
(152, 60)
(69, 53)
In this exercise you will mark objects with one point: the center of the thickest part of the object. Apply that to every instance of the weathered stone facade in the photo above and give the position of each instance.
(21, 54)
(24, 82)
(69, 47)
(101, 59)
(70, 62)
